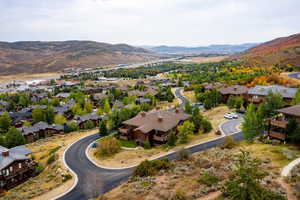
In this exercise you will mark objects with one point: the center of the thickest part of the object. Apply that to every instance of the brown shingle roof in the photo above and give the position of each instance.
(160, 120)
(235, 89)
(292, 110)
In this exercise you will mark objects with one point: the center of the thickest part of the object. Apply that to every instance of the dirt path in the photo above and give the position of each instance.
(288, 189)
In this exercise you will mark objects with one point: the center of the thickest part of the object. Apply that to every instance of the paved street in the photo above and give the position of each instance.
(94, 181)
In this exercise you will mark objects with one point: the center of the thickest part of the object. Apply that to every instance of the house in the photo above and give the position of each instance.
(234, 90)
(93, 117)
(210, 86)
(278, 125)
(92, 90)
(62, 95)
(153, 126)
(41, 130)
(259, 93)
(36, 97)
(142, 100)
(18, 118)
(15, 166)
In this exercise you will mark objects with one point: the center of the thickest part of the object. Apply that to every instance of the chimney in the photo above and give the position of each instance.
(177, 110)
(5, 153)
(160, 119)
(143, 114)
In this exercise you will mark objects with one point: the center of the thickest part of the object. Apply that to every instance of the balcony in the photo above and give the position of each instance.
(256, 100)
(279, 123)
(276, 135)
(162, 138)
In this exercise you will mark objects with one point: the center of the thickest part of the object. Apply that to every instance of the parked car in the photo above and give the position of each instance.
(231, 116)
(218, 132)
(241, 111)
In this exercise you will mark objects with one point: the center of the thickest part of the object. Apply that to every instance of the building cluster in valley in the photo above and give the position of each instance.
(153, 126)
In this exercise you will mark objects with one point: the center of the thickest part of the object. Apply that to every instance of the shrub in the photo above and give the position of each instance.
(54, 150)
(179, 195)
(206, 126)
(172, 139)
(66, 177)
(51, 159)
(128, 143)
(228, 143)
(39, 168)
(147, 145)
(108, 147)
(208, 179)
(183, 154)
(88, 125)
(150, 168)
(73, 126)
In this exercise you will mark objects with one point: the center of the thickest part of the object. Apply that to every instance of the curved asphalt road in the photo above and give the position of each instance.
(295, 75)
(94, 181)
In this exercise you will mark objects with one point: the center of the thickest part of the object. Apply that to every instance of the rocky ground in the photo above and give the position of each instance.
(294, 180)
(201, 176)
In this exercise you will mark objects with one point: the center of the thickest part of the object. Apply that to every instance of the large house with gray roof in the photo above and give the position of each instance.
(153, 126)
(15, 166)
(259, 93)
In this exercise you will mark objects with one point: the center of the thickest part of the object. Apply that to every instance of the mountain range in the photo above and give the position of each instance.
(280, 51)
(38, 57)
(201, 50)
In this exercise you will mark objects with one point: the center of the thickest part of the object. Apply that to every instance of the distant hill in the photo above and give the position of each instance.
(212, 49)
(282, 51)
(38, 57)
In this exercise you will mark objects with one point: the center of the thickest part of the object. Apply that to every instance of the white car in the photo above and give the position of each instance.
(234, 115)
(231, 116)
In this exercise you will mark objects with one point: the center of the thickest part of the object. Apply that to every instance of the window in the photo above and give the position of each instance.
(10, 169)
(20, 165)
(7, 172)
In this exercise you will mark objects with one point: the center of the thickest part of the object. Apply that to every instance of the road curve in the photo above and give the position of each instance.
(94, 181)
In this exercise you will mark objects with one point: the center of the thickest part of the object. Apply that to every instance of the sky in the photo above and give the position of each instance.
(149, 22)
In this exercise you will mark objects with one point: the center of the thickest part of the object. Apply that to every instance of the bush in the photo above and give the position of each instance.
(206, 126)
(51, 159)
(39, 168)
(54, 150)
(147, 145)
(73, 126)
(208, 179)
(66, 177)
(183, 154)
(228, 143)
(151, 168)
(108, 147)
(172, 139)
(89, 125)
(179, 195)
(128, 143)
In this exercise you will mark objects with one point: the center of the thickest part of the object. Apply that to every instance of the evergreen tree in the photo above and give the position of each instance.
(245, 182)
(172, 139)
(274, 101)
(38, 115)
(14, 138)
(252, 125)
(103, 129)
(49, 115)
(5, 122)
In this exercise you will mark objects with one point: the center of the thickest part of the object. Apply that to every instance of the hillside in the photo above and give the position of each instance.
(37, 57)
(283, 51)
(212, 49)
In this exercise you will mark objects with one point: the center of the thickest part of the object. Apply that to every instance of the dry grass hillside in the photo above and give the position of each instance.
(282, 51)
(39, 57)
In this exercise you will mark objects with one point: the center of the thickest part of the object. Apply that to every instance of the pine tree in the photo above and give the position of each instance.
(103, 129)
(251, 126)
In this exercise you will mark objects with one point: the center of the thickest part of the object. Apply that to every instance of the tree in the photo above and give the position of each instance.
(252, 125)
(73, 126)
(38, 115)
(102, 128)
(60, 119)
(231, 102)
(206, 125)
(274, 101)
(49, 115)
(196, 119)
(184, 130)
(88, 107)
(238, 102)
(172, 139)
(14, 138)
(106, 106)
(5, 122)
(188, 108)
(296, 99)
(245, 182)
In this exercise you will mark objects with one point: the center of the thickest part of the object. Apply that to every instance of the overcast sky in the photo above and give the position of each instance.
(149, 22)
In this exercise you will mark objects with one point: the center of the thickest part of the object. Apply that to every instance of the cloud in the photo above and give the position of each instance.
(154, 22)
